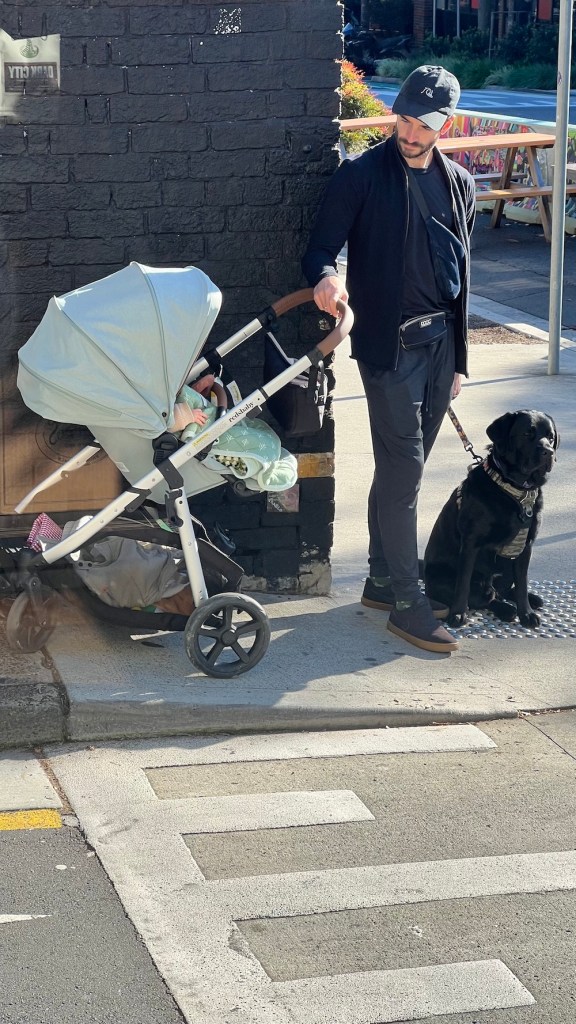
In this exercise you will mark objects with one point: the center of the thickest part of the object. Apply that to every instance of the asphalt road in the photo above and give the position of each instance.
(344, 877)
(537, 106)
(68, 953)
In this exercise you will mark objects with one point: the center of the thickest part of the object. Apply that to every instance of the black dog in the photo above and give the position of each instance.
(480, 547)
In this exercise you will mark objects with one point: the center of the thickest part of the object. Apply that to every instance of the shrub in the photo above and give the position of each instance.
(498, 76)
(470, 73)
(513, 47)
(392, 67)
(543, 45)
(533, 76)
(472, 43)
(358, 101)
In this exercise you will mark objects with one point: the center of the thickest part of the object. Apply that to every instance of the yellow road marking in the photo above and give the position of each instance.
(10, 820)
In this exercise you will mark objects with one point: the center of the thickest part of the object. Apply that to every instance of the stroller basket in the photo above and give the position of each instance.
(114, 356)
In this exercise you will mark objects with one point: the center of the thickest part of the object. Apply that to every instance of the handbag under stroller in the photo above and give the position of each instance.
(114, 355)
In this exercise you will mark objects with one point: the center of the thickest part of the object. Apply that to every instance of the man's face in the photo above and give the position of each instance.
(414, 139)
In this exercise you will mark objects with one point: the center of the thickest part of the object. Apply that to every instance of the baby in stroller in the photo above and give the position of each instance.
(249, 450)
(89, 361)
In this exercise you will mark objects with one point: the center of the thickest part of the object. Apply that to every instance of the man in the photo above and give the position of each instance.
(394, 276)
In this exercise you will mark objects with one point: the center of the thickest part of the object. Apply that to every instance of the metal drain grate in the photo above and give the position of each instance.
(558, 616)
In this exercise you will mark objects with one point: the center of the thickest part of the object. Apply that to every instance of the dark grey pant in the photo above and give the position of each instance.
(406, 408)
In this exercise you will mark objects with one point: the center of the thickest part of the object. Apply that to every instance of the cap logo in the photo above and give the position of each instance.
(428, 92)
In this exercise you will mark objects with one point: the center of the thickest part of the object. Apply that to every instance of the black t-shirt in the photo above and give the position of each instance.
(420, 293)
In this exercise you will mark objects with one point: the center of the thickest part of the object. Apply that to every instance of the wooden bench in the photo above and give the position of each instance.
(500, 196)
(519, 192)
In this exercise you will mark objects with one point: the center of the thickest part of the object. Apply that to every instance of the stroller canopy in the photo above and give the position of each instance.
(116, 352)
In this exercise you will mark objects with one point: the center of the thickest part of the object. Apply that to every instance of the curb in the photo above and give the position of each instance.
(32, 713)
(117, 721)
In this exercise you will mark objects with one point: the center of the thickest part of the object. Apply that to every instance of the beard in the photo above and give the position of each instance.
(412, 150)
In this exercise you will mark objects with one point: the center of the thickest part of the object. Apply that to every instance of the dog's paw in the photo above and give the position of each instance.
(530, 619)
(535, 600)
(506, 611)
(457, 619)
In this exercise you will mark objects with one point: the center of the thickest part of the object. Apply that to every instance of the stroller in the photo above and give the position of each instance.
(113, 356)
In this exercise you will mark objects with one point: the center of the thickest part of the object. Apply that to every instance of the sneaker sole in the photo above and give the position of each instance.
(424, 645)
(386, 606)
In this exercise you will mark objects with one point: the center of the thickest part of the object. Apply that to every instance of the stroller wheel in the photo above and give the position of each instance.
(227, 635)
(28, 629)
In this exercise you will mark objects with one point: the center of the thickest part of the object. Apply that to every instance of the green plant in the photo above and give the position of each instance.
(543, 45)
(498, 76)
(437, 46)
(472, 43)
(533, 76)
(358, 101)
(512, 48)
(392, 67)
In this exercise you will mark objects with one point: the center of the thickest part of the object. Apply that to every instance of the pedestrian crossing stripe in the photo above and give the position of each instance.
(402, 995)
(13, 820)
(139, 839)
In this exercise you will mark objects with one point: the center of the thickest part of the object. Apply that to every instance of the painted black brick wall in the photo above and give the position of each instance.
(177, 140)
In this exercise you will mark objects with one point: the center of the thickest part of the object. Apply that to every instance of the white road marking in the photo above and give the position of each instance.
(284, 746)
(248, 811)
(189, 925)
(408, 994)
(385, 885)
(24, 785)
(10, 918)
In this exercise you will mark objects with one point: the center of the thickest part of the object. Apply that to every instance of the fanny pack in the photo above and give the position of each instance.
(423, 330)
(448, 253)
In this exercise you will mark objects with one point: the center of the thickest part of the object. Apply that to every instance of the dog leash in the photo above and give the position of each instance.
(460, 431)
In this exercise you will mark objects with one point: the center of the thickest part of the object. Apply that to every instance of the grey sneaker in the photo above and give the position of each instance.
(377, 595)
(418, 626)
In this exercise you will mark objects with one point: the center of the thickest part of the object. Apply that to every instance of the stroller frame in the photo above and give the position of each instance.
(212, 623)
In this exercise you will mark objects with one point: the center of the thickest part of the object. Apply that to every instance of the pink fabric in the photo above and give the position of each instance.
(43, 528)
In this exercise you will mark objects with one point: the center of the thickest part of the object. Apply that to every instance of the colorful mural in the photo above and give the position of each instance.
(489, 160)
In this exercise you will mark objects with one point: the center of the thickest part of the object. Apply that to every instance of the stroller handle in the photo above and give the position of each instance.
(340, 331)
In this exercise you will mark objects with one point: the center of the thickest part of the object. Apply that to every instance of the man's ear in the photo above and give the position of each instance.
(446, 126)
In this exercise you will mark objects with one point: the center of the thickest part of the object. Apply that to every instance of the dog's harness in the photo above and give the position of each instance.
(524, 497)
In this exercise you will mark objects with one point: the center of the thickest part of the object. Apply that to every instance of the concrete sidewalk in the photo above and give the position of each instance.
(331, 662)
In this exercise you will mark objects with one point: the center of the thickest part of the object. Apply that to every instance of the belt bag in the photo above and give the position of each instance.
(423, 330)
(447, 252)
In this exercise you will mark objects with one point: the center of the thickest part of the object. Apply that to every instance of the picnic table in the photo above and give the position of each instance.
(501, 186)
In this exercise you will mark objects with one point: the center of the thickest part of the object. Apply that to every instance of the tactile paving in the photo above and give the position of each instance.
(558, 616)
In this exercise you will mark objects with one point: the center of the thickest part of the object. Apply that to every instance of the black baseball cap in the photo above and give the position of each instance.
(429, 94)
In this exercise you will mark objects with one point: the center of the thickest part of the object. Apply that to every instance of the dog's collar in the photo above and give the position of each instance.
(492, 459)
(526, 497)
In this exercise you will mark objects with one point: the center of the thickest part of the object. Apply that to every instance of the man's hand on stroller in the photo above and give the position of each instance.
(328, 292)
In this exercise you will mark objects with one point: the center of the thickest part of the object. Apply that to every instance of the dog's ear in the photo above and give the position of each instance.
(499, 430)
(556, 441)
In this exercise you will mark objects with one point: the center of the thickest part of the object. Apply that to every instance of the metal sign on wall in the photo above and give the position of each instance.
(29, 65)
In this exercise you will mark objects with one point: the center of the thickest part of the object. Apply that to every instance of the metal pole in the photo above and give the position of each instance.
(491, 40)
(559, 185)
(434, 19)
(458, 19)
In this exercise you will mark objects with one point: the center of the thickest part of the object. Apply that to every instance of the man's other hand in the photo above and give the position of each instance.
(327, 293)
(456, 385)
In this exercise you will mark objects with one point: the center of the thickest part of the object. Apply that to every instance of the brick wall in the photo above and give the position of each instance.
(422, 22)
(184, 133)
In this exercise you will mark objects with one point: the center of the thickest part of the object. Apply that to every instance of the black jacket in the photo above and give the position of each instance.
(366, 203)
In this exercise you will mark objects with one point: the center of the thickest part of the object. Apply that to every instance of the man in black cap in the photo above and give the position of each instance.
(407, 213)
